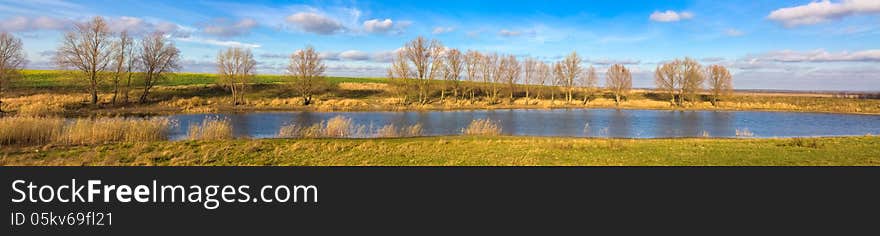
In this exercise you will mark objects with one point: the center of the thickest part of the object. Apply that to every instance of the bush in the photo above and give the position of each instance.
(482, 127)
(336, 127)
(392, 131)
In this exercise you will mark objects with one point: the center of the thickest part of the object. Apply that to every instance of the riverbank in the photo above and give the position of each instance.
(462, 151)
(54, 93)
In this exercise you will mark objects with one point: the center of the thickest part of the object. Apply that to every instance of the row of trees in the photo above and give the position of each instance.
(683, 79)
(416, 70)
(421, 61)
(97, 53)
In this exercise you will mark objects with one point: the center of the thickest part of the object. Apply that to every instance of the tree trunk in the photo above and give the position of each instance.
(115, 90)
(617, 99)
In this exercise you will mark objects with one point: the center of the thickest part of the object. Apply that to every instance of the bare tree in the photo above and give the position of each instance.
(400, 75)
(87, 48)
(510, 71)
(472, 68)
(559, 79)
(589, 82)
(123, 61)
(692, 79)
(12, 59)
(719, 82)
(307, 70)
(158, 58)
(543, 75)
(427, 60)
(236, 67)
(666, 78)
(489, 69)
(680, 79)
(529, 74)
(452, 72)
(619, 81)
(571, 69)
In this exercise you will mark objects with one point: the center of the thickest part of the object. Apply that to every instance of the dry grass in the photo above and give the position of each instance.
(109, 130)
(336, 127)
(21, 130)
(392, 131)
(744, 133)
(29, 130)
(211, 129)
(482, 127)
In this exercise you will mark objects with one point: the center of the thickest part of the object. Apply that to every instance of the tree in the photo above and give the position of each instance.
(589, 82)
(452, 72)
(472, 68)
(236, 67)
(719, 82)
(619, 81)
(530, 70)
(680, 79)
(12, 59)
(158, 57)
(509, 71)
(87, 48)
(692, 80)
(570, 70)
(543, 75)
(307, 70)
(489, 71)
(426, 58)
(399, 76)
(558, 79)
(666, 77)
(123, 61)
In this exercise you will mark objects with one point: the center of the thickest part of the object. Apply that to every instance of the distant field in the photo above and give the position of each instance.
(464, 151)
(46, 79)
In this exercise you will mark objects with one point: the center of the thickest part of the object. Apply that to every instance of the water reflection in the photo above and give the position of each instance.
(564, 122)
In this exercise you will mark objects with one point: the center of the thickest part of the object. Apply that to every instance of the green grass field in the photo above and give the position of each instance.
(57, 79)
(464, 151)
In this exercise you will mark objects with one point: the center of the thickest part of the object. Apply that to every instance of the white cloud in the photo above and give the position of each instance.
(509, 33)
(215, 42)
(354, 55)
(823, 11)
(605, 61)
(24, 24)
(223, 28)
(315, 23)
(670, 16)
(378, 26)
(733, 32)
(442, 30)
(819, 55)
(139, 26)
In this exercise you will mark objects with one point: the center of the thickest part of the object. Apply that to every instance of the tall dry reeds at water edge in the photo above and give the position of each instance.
(23, 130)
(482, 127)
(211, 129)
(344, 127)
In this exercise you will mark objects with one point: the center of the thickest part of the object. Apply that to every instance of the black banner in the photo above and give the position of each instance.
(460, 200)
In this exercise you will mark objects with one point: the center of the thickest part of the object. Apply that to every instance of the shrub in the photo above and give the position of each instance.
(211, 129)
(482, 127)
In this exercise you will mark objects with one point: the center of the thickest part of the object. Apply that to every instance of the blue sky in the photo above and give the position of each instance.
(769, 44)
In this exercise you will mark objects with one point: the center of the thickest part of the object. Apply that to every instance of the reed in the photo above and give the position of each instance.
(392, 131)
(483, 127)
(110, 130)
(211, 129)
(21, 130)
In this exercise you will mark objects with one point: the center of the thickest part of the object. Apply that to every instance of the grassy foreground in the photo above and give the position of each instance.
(463, 151)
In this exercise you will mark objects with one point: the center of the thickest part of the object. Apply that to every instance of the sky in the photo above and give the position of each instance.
(767, 44)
